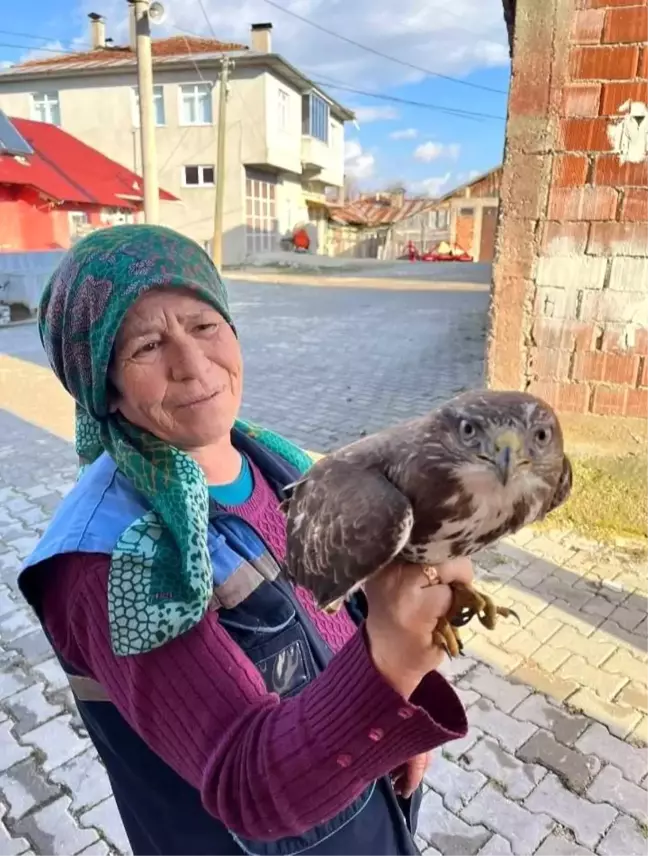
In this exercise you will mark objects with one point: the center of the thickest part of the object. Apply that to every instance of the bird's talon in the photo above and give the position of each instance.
(505, 612)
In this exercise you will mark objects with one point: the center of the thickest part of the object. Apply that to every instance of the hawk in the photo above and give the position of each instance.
(445, 485)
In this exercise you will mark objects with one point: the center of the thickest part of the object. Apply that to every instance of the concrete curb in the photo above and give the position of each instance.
(379, 283)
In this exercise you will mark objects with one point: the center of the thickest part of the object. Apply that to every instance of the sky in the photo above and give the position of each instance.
(452, 55)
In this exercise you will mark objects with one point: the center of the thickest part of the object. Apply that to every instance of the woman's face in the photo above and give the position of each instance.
(177, 369)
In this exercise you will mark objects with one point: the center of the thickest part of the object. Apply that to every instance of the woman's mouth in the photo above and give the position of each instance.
(197, 402)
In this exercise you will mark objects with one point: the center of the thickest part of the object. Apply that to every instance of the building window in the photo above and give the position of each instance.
(433, 219)
(442, 222)
(315, 117)
(283, 104)
(198, 176)
(196, 104)
(45, 107)
(158, 106)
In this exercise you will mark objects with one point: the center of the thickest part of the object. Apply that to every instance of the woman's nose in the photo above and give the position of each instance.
(186, 359)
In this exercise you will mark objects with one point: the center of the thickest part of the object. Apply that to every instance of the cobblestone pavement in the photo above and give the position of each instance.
(555, 760)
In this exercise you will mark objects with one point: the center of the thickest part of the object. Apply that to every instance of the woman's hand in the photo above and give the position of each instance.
(407, 778)
(403, 612)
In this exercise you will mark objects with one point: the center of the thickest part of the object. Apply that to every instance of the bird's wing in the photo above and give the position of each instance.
(344, 523)
(564, 486)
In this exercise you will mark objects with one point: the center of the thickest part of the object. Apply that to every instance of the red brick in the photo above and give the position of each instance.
(643, 375)
(637, 403)
(603, 63)
(617, 337)
(625, 25)
(581, 99)
(609, 401)
(587, 27)
(618, 239)
(565, 397)
(549, 364)
(564, 335)
(584, 135)
(584, 203)
(563, 239)
(605, 367)
(643, 64)
(634, 207)
(570, 170)
(608, 170)
(518, 236)
(616, 94)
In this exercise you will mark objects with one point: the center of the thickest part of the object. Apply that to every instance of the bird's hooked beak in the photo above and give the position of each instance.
(507, 449)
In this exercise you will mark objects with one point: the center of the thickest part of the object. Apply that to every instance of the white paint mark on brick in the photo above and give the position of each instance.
(571, 272)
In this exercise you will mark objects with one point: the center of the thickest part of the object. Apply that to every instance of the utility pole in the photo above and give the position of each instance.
(217, 245)
(140, 10)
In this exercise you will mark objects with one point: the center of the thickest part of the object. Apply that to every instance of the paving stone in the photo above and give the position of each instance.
(455, 749)
(99, 848)
(86, 779)
(57, 741)
(455, 784)
(625, 838)
(594, 652)
(551, 685)
(447, 832)
(565, 727)
(588, 821)
(496, 846)
(455, 668)
(628, 618)
(586, 625)
(105, 817)
(30, 708)
(466, 696)
(603, 683)
(7, 602)
(558, 845)
(23, 545)
(23, 787)
(506, 694)
(34, 647)
(623, 663)
(37, 491)
(517, 778)
(13, 680)
(598, 605)
(575, 769)
(11, 752)
(429, 851)
(54, 830)
(637, 640)
(632, 762)
(17, 624)
(619, 719)
(523, 643)
(634, 695)
(523, 829)
(494, 656)
(610, 787)
(639, 734)
(10, 846)
(510, 732)
(549, 659)
(53, 674)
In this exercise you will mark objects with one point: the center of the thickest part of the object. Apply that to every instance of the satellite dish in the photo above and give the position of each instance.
(157, 12)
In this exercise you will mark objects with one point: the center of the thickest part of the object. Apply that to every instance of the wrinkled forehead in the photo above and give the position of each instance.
(154, 309)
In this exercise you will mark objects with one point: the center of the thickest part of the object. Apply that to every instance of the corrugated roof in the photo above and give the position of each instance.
(371, 212)
(161, 49)
(68, 170)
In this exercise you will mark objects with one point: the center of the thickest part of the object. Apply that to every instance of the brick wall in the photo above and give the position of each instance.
(569, 307)
(464, 229)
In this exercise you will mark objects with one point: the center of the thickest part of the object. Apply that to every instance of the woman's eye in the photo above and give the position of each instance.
(147, 349)
(203, 328)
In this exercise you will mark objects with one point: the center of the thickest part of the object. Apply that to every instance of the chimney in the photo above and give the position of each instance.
(262, 38)
(97, 31)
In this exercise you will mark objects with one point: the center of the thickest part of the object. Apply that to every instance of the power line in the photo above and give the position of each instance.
(34, 36)
(381, 54)
(37, 48)
(455, 111)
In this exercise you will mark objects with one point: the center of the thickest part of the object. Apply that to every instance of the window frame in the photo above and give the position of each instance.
(210, 89)
(201, 183)
(39, 94)
(135, 105)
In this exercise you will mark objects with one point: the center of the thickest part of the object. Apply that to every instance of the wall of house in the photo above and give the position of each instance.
(570, 296)
(27, 222)
(255, 137)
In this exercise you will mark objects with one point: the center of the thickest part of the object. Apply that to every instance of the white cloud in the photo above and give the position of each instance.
(427, 33)
(404, 134)
(375, 114)
(433, 186)
(430, 151)
(358, 163)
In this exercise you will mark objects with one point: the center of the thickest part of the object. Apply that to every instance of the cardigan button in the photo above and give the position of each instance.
(376, 734)
(405, 713)
(344, 761)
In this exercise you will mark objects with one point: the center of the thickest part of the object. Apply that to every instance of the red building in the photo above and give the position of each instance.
(62, 190)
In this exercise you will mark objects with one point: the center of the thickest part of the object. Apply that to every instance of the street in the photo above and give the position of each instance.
(555, 760)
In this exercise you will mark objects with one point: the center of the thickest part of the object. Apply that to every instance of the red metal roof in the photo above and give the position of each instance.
(174, 46)
(68, 170)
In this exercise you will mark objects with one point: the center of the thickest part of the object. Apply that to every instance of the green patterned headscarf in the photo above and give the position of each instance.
(161, 577)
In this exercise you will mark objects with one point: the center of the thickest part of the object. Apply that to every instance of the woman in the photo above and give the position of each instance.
(232, 716)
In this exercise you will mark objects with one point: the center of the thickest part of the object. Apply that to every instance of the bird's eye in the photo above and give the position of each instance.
(542, 436)
(467, 430)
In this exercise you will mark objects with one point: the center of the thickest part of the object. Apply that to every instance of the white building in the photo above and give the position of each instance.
(285, 137)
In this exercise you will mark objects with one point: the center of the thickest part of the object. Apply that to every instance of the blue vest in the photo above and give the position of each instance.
(161, 812)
